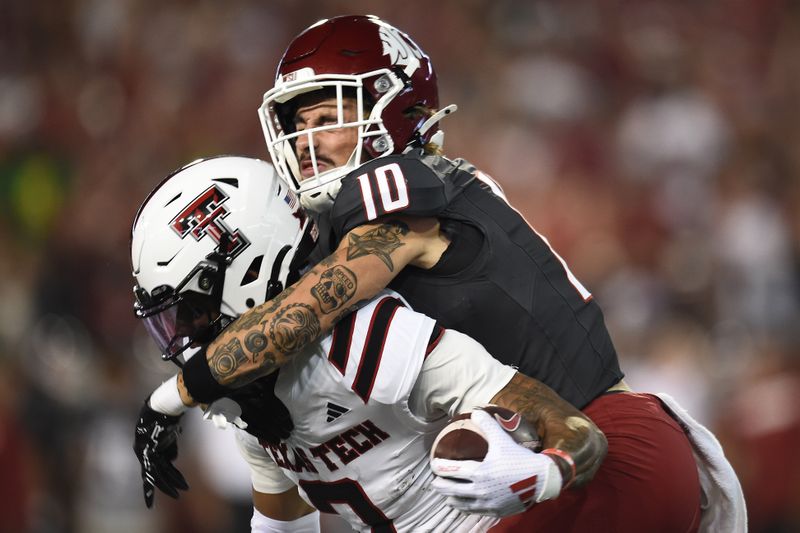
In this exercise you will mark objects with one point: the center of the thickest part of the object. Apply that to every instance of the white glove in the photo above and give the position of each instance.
(508, 480)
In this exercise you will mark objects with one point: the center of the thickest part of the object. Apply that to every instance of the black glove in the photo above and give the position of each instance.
(266, 416)
(156, 446)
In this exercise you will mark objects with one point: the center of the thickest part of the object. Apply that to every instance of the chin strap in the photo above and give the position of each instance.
(222, 259)
(274, 285)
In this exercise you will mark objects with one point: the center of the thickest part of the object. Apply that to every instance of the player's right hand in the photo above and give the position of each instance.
(507, 481)
(156, 446)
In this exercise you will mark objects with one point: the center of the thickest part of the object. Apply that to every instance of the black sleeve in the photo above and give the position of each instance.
(410, 184)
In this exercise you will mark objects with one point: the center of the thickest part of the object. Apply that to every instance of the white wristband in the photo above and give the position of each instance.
(305, 524)
(166, 399)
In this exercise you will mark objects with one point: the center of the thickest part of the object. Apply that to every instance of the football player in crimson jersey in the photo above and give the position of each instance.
(352, 126)
(347, 425)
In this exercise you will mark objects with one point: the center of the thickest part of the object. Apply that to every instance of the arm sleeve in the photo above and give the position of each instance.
(458, 375)
(305, 524)
(267, 477)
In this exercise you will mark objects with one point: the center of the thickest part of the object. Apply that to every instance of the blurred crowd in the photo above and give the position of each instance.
(655, 143)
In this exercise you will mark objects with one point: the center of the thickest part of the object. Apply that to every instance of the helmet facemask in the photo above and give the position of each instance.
(317, 192)
(188, 315)
(389, 76)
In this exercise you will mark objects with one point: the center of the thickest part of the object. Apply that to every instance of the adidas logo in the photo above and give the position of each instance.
(335, 411)
(525, 490)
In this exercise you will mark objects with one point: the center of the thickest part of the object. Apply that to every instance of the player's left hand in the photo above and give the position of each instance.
(510, 478)
(156, 447)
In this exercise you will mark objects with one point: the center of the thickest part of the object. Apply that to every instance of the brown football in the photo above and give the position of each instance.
(461, 439)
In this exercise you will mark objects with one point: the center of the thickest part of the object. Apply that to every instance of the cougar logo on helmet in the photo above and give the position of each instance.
(204, 216)
(398, 50)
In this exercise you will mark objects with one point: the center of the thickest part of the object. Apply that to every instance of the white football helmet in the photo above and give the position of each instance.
(216, 237)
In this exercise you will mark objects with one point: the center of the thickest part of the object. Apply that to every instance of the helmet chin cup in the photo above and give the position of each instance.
(320, 199)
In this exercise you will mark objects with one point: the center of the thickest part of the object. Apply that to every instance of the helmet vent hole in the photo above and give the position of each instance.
(253, 271)
(175, 198)
(250, 303)
(233, 182)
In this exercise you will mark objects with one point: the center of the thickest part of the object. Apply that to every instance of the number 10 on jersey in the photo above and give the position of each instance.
(391, 187)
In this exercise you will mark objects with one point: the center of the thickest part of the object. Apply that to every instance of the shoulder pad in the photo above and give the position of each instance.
(410, 184)
(378, 350)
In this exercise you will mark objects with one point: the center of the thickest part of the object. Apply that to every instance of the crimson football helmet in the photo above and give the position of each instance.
(364, 58)
(214, 239)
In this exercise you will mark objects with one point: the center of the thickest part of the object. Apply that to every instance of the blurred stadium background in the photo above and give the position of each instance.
(655, 143)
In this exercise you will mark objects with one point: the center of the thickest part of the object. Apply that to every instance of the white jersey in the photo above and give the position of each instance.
(358, 447)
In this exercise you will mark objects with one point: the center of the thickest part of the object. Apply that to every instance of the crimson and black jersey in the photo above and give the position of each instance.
(499, 281)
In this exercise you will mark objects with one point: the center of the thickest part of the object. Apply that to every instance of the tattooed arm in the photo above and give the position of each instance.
(558, 423)
(367, 259)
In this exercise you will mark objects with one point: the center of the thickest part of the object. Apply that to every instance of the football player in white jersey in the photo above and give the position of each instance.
(222, 235)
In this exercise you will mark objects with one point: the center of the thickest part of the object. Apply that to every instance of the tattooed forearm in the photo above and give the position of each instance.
(273, 304)
(269, 334)
(533, 400)
(335, 288)
(255, 316)
(294, 327)
(349, 309)
(380, 242)
(248, 320)
(226, 360)
(327, 261)
(559, 424)
(255, 342)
